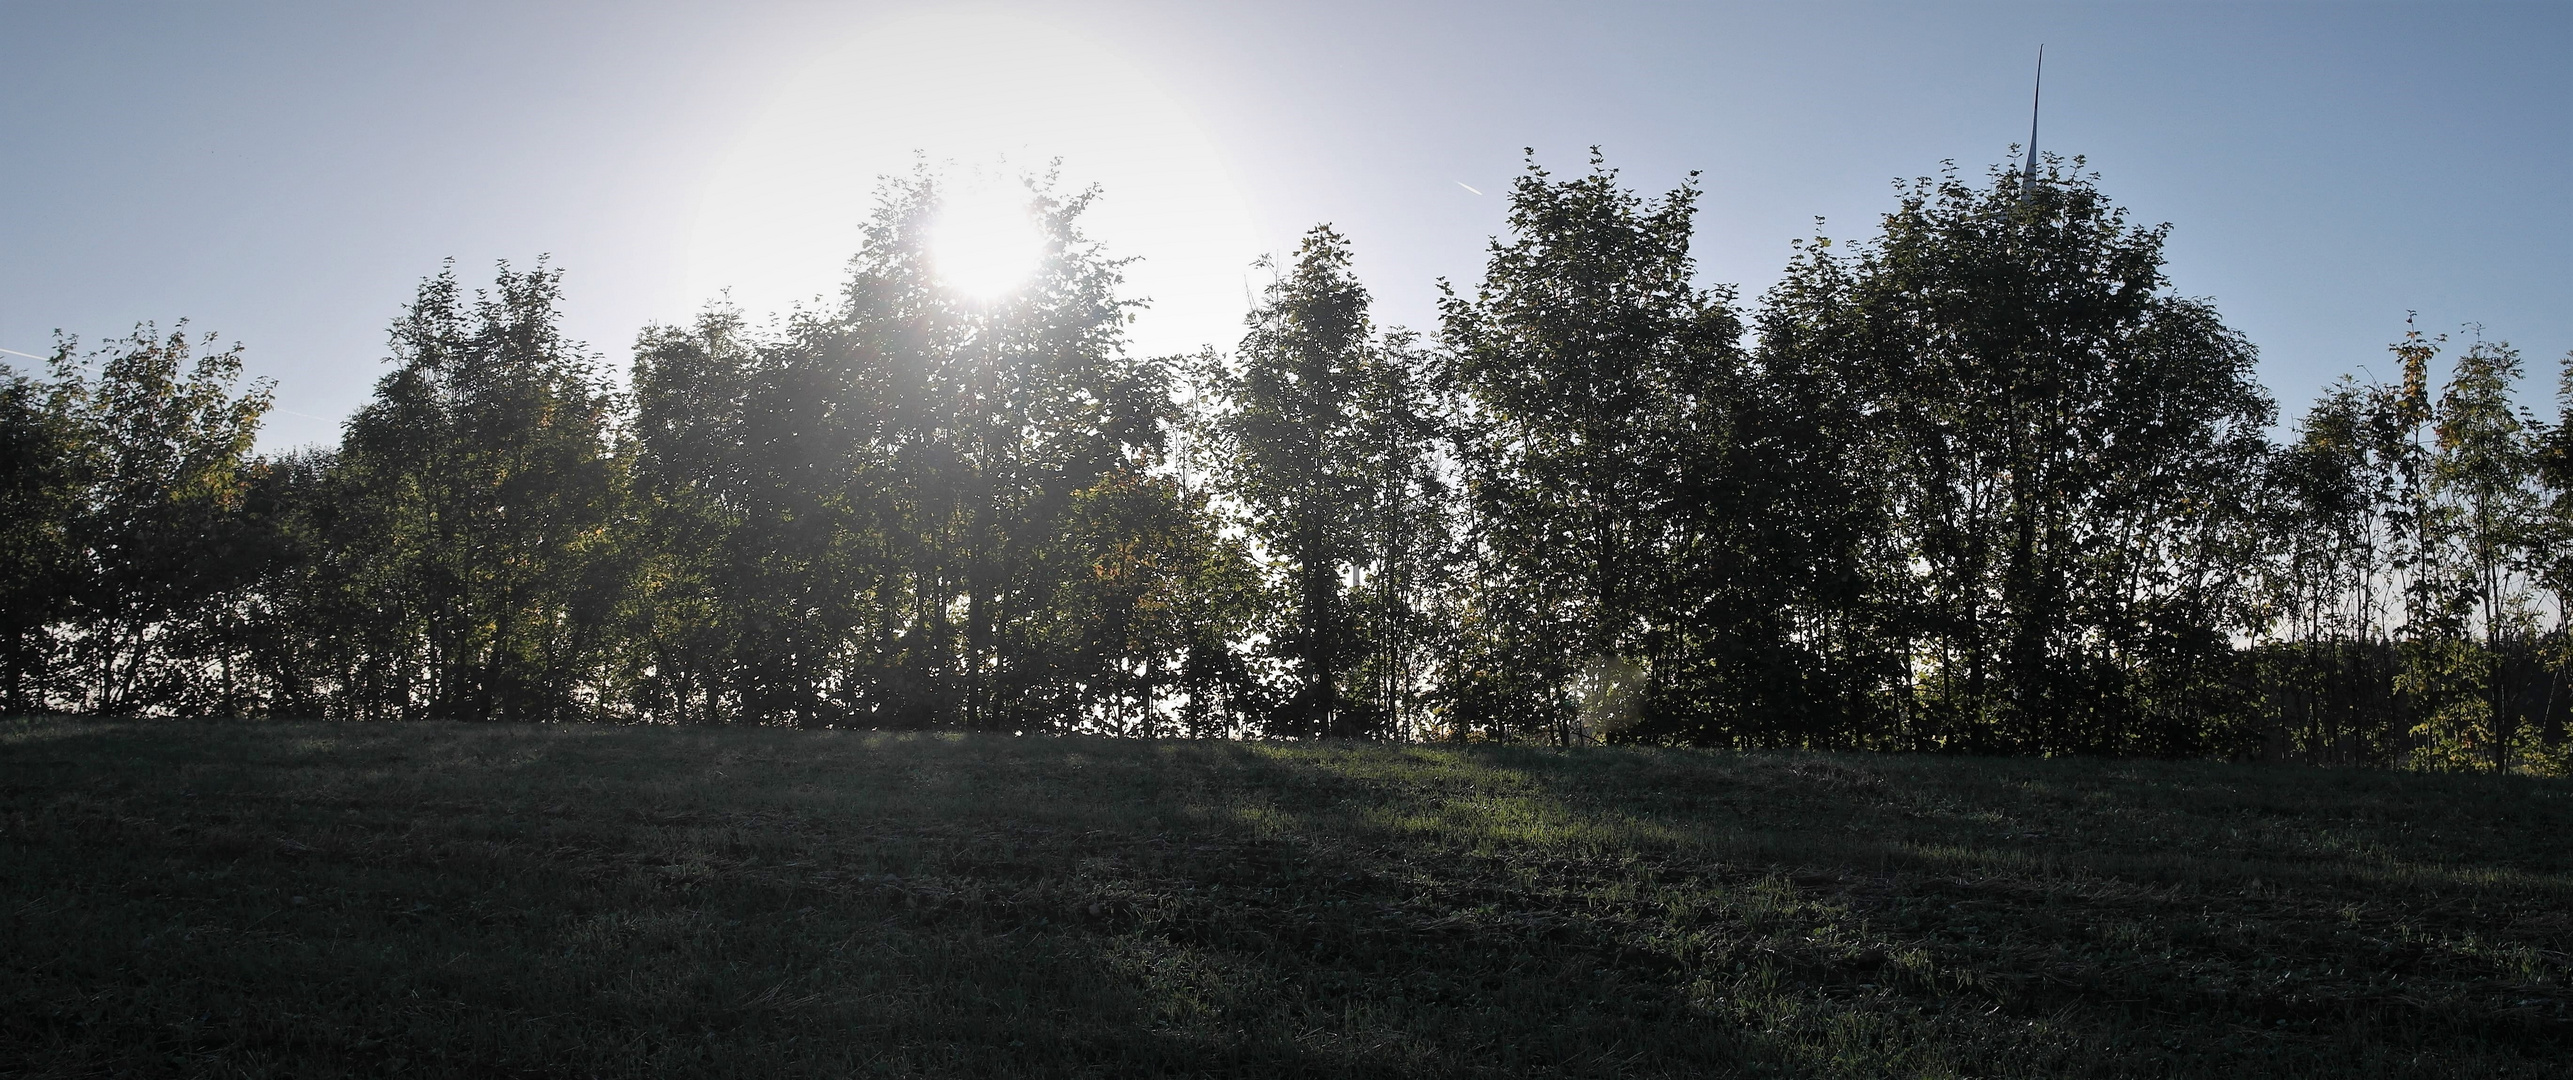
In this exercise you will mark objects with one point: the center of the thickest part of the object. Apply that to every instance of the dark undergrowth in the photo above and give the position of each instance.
(310, 900)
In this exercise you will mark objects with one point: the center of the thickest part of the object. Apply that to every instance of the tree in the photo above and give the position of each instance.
(157, 536)
(1316, 431)
(2332, 523)
(690, 619)
(2478, 537)
(998, 413)
(44, 465)
(1803, 575)
(1158, 613)
(1595, 374)
(483, 492)
(2551, 565)
(925, 507)
(1405, 520)
(2069, 448)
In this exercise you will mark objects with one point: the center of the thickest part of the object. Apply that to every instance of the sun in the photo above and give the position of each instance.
(984, 241)
(982, 98)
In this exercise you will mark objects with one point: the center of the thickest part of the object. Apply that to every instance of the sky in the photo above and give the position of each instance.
(284, 175)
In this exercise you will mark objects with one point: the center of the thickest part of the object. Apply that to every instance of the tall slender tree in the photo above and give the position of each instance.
(1595, 372)
(1289, 452)
(2479, 534)
(1323, 433)
(689, 619)
(483, 492)
(1405, 521)
(45, 460)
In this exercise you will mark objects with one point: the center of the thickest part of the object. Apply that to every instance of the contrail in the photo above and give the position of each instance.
(1468, 187)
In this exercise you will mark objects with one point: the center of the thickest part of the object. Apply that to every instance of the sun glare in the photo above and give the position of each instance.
(983, 242)
(980, 96)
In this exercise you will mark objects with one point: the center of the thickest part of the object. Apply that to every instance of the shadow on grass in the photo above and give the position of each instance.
(468, 900)
(2030, 916)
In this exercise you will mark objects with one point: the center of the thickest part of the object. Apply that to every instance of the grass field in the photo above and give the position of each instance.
(449, 900)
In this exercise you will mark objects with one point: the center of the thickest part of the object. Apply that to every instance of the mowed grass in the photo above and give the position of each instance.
(288, 899)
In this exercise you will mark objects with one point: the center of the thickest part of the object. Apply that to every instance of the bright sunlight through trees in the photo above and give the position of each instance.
(983, 242)
(990, 93)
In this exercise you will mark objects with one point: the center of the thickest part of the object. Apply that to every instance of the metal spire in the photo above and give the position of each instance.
(2028, 177)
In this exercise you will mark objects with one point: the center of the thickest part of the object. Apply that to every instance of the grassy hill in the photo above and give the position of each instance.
(452, 900)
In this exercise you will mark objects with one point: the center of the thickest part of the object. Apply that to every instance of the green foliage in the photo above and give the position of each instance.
(1982, 481)
(689, 608)
(1598, 379)
(925, 509)
(126, 550)
(41, 473)
(1325, 435)
(2413, 543)
(473, 530)
(2068, 447)
(2483, 525)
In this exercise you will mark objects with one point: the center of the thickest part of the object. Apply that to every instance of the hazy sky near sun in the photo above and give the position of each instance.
(285, 174)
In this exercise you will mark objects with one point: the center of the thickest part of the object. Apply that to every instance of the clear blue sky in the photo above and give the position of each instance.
(286, 173)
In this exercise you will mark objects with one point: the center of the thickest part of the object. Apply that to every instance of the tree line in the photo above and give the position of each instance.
(1982, 481)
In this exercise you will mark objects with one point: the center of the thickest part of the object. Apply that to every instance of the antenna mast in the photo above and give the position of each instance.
(2028, 177)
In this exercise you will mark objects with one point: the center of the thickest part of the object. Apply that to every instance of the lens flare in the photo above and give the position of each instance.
(984, 242)
(981, 97)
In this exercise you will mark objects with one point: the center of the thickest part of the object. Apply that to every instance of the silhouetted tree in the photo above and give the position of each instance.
(1321, 431)
(1596, 376)
(482, 496)
(44, 466)
(2072, 449)
(1982, 481)
(167, 432)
